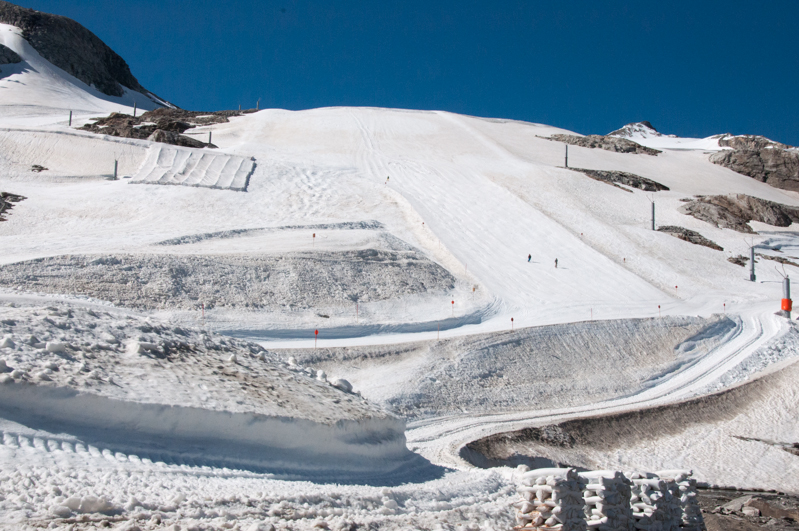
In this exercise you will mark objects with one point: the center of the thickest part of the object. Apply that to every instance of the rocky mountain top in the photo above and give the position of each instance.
(8, 56)
(736, 211)
(73, 48)
(638, 129)
(608, 143)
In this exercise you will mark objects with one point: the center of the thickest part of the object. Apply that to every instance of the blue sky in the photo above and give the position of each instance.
(692, 68)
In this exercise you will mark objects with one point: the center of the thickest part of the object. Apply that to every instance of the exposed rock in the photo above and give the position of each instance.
(170, 137)
(38, 168)
(161, 125)
(772, 165)
(778, 259)
(7, 203)
(690, 236)
(8, 56)
(74, 49)
(621, 177)
(739, 260)
(755, 142)
(736, 211)
(608, 143)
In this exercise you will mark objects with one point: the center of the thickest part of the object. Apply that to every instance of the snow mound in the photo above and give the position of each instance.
(193, 167)
(138, 386)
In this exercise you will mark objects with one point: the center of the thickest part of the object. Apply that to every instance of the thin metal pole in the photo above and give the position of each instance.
(209, 137)
(134, 109)
(786, 288)
(70, 118)
(653, 215)
(752, 276)
(116, 165)
(567, 155)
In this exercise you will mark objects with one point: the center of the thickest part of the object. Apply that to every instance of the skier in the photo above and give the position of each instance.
(529, 257)
(387, 178)
(556, 263)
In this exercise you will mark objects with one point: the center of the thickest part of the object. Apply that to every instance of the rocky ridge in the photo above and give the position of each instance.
(163, 125)
(622, 177)
(74, 49)
(690, 236)
(608, 143)
(736, 211)
(757, 157)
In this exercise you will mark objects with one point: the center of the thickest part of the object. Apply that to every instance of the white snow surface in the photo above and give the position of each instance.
(194, 167)
(474, 195)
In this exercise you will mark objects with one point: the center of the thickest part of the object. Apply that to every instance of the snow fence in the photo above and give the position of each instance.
(562, 499)
(194, 167)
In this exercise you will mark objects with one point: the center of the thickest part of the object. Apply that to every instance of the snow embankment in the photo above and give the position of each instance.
(553, 366)
(195, 167)
(743, 437)
(138, 386)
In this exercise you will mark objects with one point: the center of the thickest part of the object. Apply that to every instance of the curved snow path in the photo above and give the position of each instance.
(441, 439)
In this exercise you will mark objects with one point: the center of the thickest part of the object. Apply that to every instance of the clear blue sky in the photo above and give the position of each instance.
(692, 68)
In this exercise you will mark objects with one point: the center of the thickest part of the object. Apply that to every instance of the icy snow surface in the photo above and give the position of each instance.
(476, 341)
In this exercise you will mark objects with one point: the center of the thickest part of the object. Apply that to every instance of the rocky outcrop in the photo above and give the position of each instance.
(161, 125)
(736, 211)
(7, 203)
(8, 56)
(74, 49)
(608, 143)
(621, 177)
(750, 142)
(690, 236)
(773, 165)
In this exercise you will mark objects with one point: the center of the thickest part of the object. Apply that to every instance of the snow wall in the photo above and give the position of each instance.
(347, 450)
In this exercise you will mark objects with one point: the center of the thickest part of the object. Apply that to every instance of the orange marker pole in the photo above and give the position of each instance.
(316, 338)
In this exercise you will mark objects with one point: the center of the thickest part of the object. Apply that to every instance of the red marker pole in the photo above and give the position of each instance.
(316, 338)
(725, 307)
(313, 240)
(511, 324)
(453, 308)
(659, 310)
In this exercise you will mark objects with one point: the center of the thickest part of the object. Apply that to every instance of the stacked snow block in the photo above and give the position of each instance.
(607, 501)
(655, 506)
(691, 514)
(552, 498)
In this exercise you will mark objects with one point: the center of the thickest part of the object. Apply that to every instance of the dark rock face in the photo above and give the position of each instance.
(161, 125)
(621, 177)
(73, 48)
(736, 211)
(690, 236)
(7, 203)
(8, 56)
(608, 143)
(775, 166)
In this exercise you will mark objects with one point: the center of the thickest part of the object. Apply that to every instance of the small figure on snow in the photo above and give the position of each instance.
(529, 257)
(556, 263)
(387, 178)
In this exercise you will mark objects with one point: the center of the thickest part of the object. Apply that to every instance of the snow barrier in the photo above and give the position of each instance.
(561, 499)
(367, 449)
(194, 167)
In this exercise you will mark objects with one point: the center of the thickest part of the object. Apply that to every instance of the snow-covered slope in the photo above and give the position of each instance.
(645, 134)
(35, 87)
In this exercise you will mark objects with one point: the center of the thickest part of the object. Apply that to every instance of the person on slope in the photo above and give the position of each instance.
(529, 257)
(556, 263)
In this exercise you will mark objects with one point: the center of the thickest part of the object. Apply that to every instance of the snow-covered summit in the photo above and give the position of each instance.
(637, 130)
